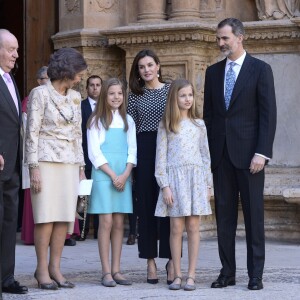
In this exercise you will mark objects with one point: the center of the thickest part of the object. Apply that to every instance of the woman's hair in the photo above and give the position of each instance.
(65, 63)
(172, 117)
(103, 111)
(136, 83)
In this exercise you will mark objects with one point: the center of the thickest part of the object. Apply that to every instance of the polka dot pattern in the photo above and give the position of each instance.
(147, 109)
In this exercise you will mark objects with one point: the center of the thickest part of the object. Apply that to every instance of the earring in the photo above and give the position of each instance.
(158, 74)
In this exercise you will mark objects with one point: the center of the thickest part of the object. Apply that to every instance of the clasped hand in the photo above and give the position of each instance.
(119, 182)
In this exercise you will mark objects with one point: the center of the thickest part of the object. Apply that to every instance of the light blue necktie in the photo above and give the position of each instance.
(229, 83)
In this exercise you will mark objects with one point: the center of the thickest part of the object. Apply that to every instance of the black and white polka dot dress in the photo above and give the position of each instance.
(147, 109)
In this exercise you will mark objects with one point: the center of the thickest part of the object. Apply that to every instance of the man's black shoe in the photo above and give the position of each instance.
(15, 288)
(223, 281)
(70, 242)
(79, 238)
(255, 284)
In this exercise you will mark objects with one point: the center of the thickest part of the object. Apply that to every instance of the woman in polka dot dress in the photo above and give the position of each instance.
(146, 104)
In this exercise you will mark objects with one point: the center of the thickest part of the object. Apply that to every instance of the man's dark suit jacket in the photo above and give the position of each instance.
(86, 111)
(248, 126)
(11, 150)
(10, 130)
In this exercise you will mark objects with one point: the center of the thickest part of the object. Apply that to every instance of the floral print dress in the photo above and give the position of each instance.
(183, 164)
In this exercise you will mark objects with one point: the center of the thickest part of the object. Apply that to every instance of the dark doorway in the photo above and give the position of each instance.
(33, 23)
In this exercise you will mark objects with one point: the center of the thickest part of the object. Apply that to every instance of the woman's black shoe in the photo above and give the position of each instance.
(168, 281)
(151, 281)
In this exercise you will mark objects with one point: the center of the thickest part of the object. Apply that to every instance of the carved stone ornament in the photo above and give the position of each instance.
(277, 9)
(107, 5)
(72, 6)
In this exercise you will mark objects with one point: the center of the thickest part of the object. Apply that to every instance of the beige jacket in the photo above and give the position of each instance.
(53, 132)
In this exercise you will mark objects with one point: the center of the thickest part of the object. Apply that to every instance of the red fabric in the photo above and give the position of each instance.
(24, 104)
(76, 229)
(27, 221)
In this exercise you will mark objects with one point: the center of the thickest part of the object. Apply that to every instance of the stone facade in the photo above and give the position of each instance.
(110, 33)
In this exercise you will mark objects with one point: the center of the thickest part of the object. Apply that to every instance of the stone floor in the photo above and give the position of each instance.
(81, 265)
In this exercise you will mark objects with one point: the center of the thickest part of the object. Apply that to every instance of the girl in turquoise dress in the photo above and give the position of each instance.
(111, 137)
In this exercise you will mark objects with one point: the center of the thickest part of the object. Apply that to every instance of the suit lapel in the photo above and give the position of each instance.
(245, 73)
(19, 99)
(8, 99)
(87, 106)
(220, 77)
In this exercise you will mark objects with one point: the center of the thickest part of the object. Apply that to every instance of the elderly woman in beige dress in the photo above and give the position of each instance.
(53, 152)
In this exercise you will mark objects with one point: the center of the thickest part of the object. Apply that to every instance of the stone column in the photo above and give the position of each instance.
(151, 11)
(188, 10)
(81, 24)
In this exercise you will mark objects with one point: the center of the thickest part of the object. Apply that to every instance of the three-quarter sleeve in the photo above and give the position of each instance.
(161, 174)
(131, 141)
(35, 116)
(204, 150)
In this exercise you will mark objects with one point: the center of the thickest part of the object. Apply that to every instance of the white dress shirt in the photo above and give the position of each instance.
(96, 137)
(92, 103)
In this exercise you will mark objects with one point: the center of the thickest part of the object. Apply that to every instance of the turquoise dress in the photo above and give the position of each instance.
(105, 198)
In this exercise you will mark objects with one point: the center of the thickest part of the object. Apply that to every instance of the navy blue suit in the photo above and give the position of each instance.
(235, 135)
(86, 112)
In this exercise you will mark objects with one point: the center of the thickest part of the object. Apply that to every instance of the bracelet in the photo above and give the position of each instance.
(81, 168)
(33, 166)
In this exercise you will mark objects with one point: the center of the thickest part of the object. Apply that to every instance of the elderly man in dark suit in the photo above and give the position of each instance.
(240, 115)
(93, 88)
(10, 151)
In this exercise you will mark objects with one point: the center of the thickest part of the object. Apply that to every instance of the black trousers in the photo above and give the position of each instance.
(229, 183)
(151, 228)
(9, 191)
(132, 218)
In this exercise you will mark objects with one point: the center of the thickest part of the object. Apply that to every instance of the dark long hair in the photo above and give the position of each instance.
(136, 83)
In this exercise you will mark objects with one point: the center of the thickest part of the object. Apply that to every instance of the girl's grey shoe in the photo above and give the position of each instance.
(189, 287)
(107, 283)
(175, 286)
(121, 281)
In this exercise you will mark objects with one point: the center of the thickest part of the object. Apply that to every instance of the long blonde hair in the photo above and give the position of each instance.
(172, 116)
(103, 111)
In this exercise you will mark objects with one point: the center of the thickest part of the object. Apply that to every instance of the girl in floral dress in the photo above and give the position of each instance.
(182, 171)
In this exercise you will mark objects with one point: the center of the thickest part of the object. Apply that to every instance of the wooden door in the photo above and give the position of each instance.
(33, 23)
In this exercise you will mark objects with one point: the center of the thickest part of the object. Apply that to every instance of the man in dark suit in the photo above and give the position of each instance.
(93, 88)
(240, 115)
(10, 152)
